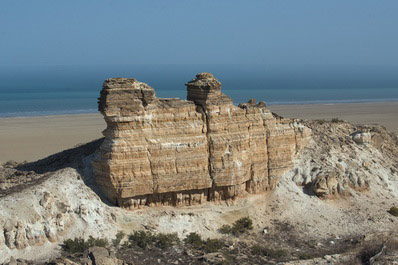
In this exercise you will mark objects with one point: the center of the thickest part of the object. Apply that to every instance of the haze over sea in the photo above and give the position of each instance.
(53, 90)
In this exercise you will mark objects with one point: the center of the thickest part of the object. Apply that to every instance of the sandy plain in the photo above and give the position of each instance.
(32, 138)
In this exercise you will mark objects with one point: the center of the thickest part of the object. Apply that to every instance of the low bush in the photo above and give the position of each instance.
(238, 227)
(193, 239)
(336, 120)
(208, 246)
(140, 239)
(258, 250)
(79, 245)
(164, 241)
(271, 253)
(242, 225)
(394, 211)
(212, 245)
(145, 239)
(225, 229)
(119, 237)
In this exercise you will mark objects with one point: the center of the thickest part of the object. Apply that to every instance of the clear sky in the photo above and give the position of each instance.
(295, 32)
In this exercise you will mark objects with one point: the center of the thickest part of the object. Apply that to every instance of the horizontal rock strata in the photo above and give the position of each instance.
(183, 152)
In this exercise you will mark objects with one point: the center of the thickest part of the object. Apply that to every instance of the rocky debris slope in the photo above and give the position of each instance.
(48, 200)
(184, 152)
(35, 220)
(345, 157)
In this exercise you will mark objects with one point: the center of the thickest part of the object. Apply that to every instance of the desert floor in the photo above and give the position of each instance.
(32, 138)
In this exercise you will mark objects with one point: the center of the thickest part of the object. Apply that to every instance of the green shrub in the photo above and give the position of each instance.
(394, 211)
(242, 225)
(79, 245)
(225, 229)
(141, 239)
(271, 253)
(258, 250)
(276, 253)
(193, 239)
(208, 246)
(238, 227)
(119, 237)
(164, 241)
(99, 242)
(212, 245)
(74, 245)
(336, 120)
(145, 239)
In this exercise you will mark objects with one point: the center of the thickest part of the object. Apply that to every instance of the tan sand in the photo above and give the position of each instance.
(32, 138)
(382, 113)
(37, 137)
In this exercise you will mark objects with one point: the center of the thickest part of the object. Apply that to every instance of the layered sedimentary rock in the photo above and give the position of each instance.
(183, 152)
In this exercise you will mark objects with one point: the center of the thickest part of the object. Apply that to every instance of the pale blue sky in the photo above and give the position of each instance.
(306, 32)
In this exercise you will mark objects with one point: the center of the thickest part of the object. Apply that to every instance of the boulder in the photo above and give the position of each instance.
(362, 137)
(102, 256)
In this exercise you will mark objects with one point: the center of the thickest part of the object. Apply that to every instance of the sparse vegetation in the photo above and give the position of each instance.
(119, 237)
(208, 246)
(304, 256)
(394, 211)
(271, 253)
(239, 227)
(320, 121)
(165, 241)
(79, 245)
(225, 229)
(242, 225)
(140, 239)
(193, 239)
(212, 245)
(336, 120)
(145, 239)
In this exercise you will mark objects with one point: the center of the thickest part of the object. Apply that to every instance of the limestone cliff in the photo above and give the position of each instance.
(184, 152)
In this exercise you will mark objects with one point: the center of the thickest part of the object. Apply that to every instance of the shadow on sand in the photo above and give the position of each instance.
(78, 158)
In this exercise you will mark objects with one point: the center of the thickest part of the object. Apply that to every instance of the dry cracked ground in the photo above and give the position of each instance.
(333, 207)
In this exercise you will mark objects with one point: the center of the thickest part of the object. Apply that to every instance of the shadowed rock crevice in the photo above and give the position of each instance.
(183, 152)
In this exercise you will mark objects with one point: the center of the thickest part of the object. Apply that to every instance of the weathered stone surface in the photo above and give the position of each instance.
(183, 152)
(362, 137)
(325, 185)
(101, 256)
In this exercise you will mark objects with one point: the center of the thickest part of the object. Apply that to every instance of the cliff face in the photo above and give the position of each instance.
(183, 152)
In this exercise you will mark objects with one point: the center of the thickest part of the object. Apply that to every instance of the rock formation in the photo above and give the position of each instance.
(182, 152)
(46, 202)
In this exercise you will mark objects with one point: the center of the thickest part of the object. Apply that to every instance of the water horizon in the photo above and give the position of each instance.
(27, 91)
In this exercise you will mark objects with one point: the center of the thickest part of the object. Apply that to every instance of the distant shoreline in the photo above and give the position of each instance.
(94, 111)
(32, 138)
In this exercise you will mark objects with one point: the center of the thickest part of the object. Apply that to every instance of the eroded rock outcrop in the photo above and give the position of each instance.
(343, 159)
(183, 152)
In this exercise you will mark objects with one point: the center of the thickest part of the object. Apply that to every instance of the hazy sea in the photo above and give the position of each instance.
(53, 90)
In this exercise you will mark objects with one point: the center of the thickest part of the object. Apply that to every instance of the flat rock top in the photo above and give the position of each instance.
(205, 80)
(130, 83)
